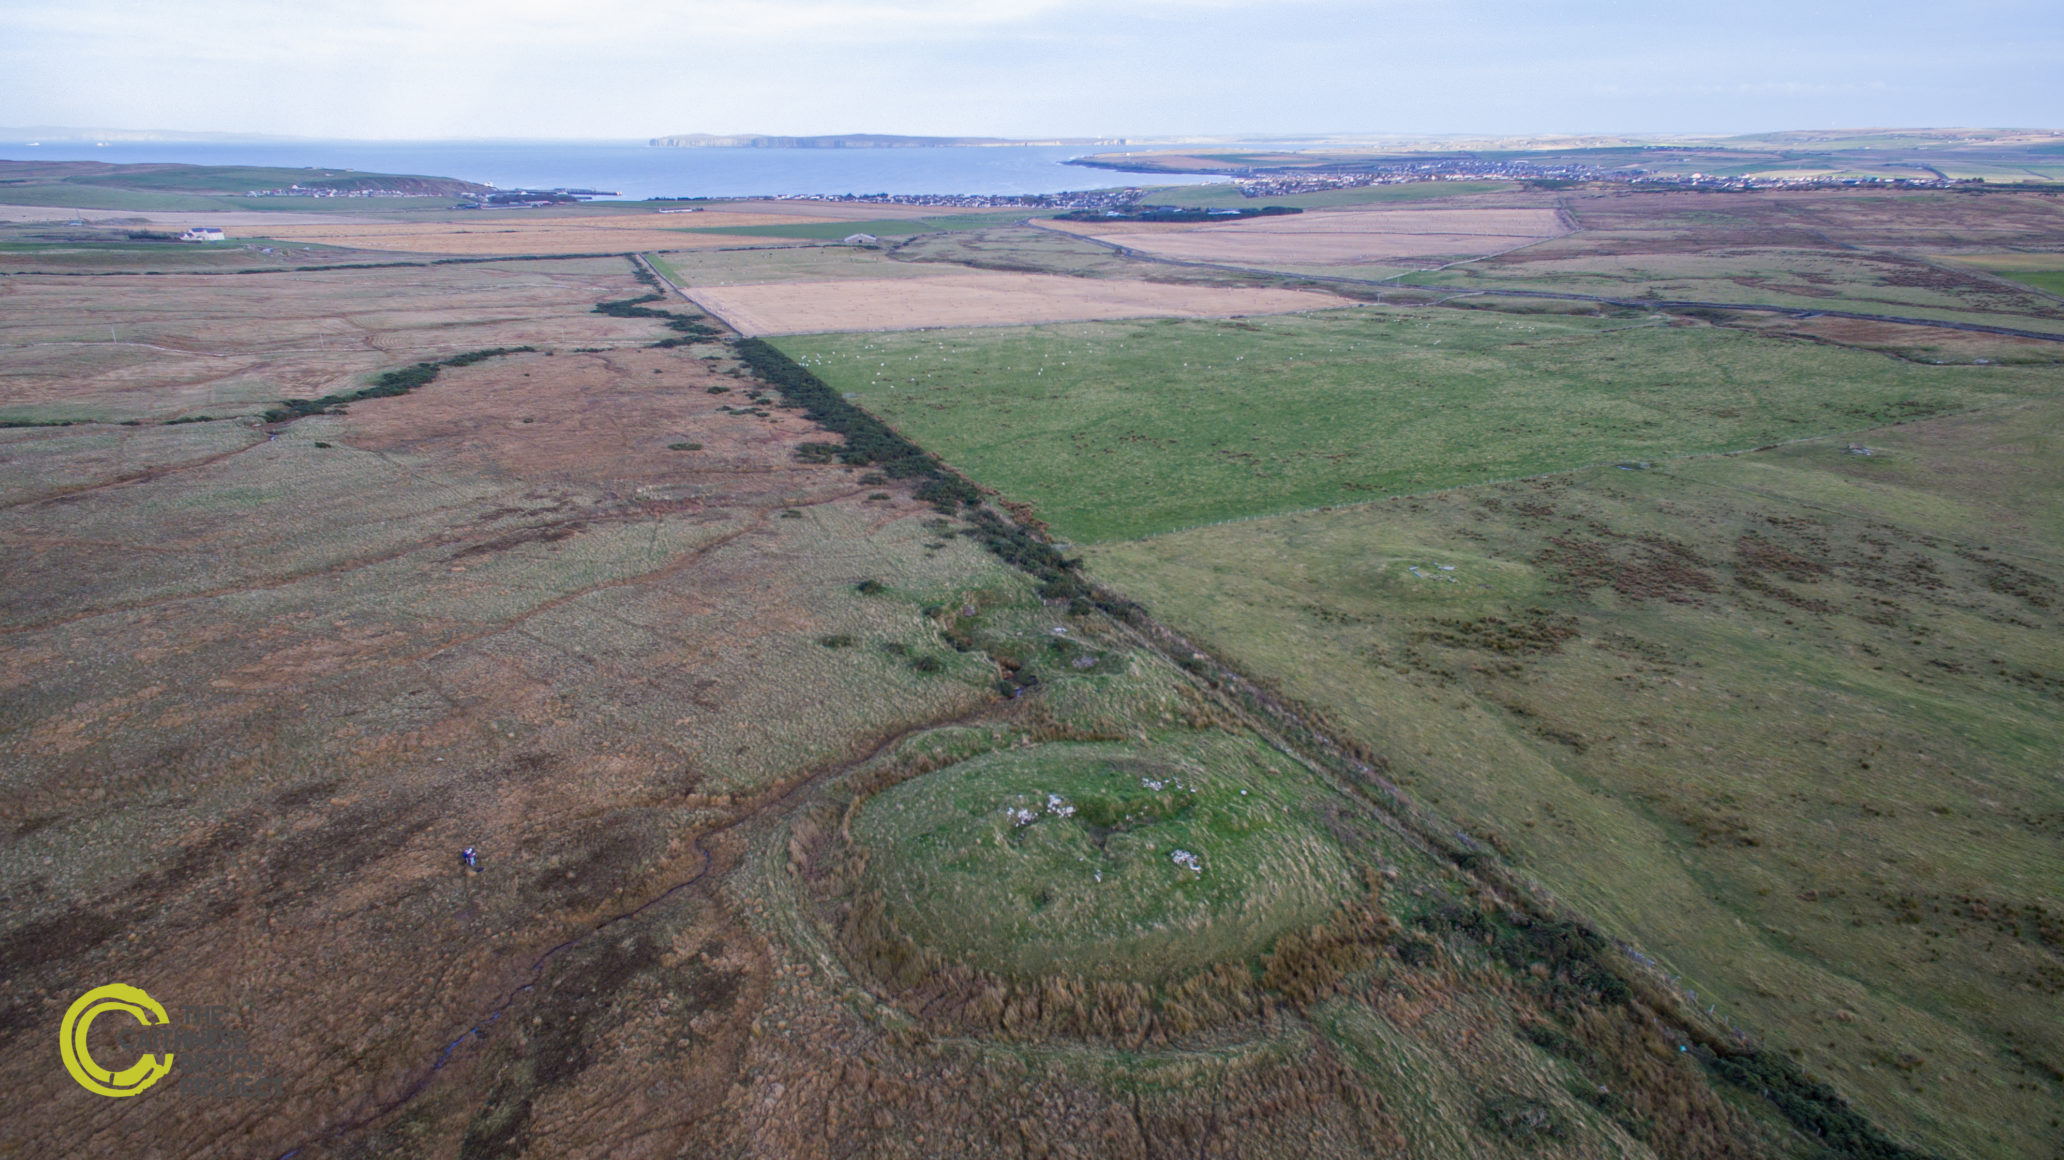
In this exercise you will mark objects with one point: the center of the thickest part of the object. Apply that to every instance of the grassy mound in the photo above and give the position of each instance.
(1110, 861)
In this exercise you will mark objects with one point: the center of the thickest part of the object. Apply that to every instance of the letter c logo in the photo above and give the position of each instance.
(78, 1021)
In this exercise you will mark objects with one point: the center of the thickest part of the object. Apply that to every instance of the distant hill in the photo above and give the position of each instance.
(97, 185)
(858, 141)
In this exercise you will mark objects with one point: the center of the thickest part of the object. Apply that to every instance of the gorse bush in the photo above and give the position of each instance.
(388, 385)
(873, 443)
(691, 329)
(869, 441)
(1812, 1107)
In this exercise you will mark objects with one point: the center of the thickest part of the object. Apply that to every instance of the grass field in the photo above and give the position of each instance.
(2045, 272)
(1188, 423)
(1786, 720)
(2048, 281)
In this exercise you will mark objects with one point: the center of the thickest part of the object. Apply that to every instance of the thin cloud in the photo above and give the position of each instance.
(633, 68)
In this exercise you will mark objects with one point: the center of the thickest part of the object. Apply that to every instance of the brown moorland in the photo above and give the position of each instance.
(263, 682)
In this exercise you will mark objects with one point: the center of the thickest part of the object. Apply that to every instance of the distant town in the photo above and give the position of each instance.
(1278, 181)
(505, 199)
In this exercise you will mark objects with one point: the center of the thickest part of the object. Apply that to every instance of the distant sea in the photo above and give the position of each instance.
(635, 170)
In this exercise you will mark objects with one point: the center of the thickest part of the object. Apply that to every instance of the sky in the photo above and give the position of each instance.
(627, 69)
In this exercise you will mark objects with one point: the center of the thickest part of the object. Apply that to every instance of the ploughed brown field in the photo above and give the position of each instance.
(979, 298)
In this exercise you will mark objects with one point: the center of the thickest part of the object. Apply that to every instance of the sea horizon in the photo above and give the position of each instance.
(633, 170)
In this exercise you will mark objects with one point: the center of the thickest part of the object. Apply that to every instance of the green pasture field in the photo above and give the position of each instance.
(1120, 430)
(2045, 272)
(2048, 281)
(1126, 862)
(886, 227)
(1785, 720)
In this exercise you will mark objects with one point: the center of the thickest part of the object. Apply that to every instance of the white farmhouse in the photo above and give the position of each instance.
(201, 234)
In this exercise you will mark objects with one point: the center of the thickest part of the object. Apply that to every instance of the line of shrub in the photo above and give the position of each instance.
(873, 443)
(389, 385)
(1574, 955)
(1812, 1107)
(690, 329)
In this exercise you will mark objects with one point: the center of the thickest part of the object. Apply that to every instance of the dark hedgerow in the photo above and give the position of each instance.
(691, 329)
(869, 441)
(1812, 1107)
(873, 443)
(389, 385)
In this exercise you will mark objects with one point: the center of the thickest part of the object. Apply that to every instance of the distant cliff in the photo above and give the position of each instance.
(858, 141)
